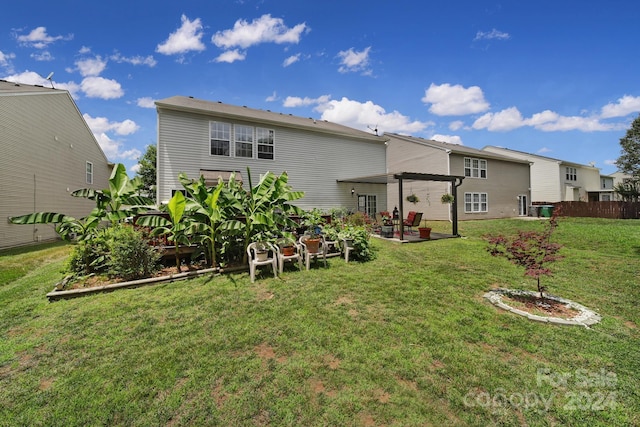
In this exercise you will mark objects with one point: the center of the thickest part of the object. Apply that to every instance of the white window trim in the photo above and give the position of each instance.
(254, 141)
(470, 206)
(478, 169)
(88, 174)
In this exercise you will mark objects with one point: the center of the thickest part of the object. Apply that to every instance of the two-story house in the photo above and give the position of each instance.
(48, 151)
(213, 139)
(494, 186)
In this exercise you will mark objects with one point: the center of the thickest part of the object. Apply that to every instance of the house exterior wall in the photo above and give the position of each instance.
(505, 182)
(314, 161)
(506, 179)
(45, 146)
(409, 156)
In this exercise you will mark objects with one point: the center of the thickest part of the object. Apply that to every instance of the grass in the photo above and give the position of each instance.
(406, 340)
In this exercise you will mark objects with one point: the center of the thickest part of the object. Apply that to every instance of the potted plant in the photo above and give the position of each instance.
(313, 220)
(446, 198)
(262, 251)
(412, 198)
(425, 232)
(386, 230)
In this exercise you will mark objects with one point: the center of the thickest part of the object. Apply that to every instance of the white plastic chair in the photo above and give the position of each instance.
(308, 254)
(347, 248)
(252, 257)
(297, 254)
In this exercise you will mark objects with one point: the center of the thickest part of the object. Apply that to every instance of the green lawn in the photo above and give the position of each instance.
(405, 340)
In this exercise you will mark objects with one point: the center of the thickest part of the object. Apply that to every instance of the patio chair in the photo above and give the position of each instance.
(311, 252)
(413, 220)
(256, 258)
(284, 254)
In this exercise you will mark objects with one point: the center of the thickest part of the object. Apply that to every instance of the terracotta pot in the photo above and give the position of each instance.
(425, 232)
(313, 245)
(288, 250)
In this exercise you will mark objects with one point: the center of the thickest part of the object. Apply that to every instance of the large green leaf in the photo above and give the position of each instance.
(41, 218)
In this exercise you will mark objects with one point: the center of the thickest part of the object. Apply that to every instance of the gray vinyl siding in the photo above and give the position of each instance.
(313, 161)
(504, 183)
(407, 156)
(45, 145)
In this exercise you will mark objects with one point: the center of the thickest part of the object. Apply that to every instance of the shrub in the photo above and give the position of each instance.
(130, 256)
(89, 256)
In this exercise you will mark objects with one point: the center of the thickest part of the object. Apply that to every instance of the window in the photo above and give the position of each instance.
(367, 203)
(265, 143)
(243, 141)
(475, 168)
(89, 172)
(220, 138)
(571, 174)
(476, 202)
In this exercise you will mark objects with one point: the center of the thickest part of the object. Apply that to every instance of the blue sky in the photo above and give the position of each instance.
(556, 78)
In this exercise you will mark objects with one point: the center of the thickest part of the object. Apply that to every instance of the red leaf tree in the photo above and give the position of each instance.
(532, 250)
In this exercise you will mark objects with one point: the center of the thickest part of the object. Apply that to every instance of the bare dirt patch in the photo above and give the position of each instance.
(540, 306)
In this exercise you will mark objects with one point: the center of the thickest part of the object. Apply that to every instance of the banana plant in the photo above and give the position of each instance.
(266, 208)
(176, 228)
(205, 211)
(119, 201)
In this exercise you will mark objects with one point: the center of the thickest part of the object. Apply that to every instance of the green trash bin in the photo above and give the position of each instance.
(546, 211)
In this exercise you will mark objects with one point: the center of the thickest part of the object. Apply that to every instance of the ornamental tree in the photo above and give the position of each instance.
(532, 250)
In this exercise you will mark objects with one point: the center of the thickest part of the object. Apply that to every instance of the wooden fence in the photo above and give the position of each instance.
(616, 210)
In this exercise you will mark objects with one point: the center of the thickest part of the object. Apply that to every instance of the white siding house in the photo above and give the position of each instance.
(554, 180)
(211, 139)
(47, 151)
(494, 186)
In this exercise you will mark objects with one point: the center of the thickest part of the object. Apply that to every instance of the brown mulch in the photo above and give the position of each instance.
(540, 306)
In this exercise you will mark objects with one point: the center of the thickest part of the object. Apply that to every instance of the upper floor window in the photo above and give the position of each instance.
(571, 174)
(476, 202)
(475, 168)
(89, 172)
(241, 141)
(220, 138)
(265, 143)
(244, 141)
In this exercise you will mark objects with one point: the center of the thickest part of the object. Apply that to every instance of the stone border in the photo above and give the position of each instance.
(585, 317)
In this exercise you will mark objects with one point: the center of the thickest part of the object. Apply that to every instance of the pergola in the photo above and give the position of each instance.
(401, 177)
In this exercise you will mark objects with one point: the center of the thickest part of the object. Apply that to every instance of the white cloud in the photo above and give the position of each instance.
(91, 66)
(353, 61)
(99, 87)
(610, 162)
(625, 106)
(447, 100)
(146, 102)
(134, 60)
(33, 78)
(451, 139)
(502, 121)
(272, 97)
(492, 35)
(231, 56)
(112, 149)
(185, 39)
(43, 56)
(456, 125)
(265, 29)
(39, 38)
(364, 115)
(294, 101)
(99, 125)
(544, 150)
(5, 60)
(291, 60)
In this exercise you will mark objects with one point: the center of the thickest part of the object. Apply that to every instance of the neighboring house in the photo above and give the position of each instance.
(620, 178)
(494, 186)
(554, 180)
(47, 151)
(606, 193)
(213, 139)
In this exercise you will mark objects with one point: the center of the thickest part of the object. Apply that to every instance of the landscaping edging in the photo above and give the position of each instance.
(585, 317)
(73, 293)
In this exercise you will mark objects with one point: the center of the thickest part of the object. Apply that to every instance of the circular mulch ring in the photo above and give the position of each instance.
(565, 312)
